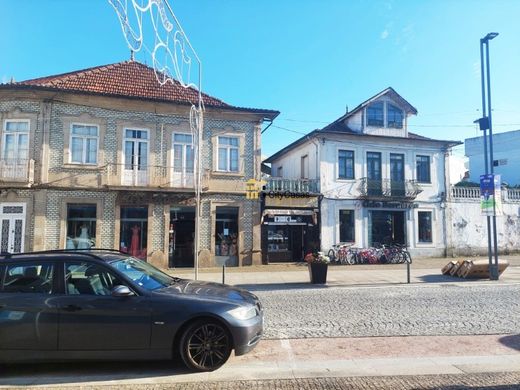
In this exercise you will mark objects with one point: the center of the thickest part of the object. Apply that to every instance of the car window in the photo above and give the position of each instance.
(33, 277)
(143, 274)
(83, 278)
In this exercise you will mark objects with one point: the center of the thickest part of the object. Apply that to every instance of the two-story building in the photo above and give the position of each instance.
(379, 183)
(104, 157)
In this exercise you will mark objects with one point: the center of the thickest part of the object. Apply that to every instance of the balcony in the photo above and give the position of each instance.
(151, 176)
(388, 189)
(17, 170)
(298, 186)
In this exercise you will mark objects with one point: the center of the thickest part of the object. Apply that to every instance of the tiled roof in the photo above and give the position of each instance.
(126, 79)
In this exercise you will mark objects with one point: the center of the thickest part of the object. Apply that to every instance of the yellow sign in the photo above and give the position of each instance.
(253, 188)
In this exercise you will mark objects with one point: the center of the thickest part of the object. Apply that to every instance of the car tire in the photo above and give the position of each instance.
(205, 345)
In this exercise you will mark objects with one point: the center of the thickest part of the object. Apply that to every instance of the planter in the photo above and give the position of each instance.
(318, 272)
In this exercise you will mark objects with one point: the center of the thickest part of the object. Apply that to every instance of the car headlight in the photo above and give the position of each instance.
(243, 313)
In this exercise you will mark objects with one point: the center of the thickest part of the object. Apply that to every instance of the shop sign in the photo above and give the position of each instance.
(309, 202)
(288, 220)
(288, 194)
(389, 205)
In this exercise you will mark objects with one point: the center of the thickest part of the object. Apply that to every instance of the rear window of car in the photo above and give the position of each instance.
(28, 277)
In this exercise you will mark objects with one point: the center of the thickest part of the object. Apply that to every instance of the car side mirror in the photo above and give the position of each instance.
(121, 291)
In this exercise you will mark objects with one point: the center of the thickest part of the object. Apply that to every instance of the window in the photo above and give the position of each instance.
(346, 226)
(425, 226)
(15, 142)
(346, 164)
(84, 278)
(183, 155)
(81, 226)
(423, 169)
(394, 117)
(226, 232)
(279, 172)
(83, 144)
(375, 115)
(228, 154)
(304, 166)
(134, 231)
(33, 277)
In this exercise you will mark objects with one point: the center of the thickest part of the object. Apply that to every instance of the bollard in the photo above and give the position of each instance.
(408, 272)
(224, 274)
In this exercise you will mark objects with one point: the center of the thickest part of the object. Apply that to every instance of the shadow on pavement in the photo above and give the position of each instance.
(280, 286)
(434, 278)
(77, 372)
(512, 341)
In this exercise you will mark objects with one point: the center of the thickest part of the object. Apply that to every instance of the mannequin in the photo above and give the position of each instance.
(134, 244)
(84, 239)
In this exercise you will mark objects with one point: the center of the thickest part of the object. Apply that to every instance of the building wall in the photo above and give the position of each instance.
(291, 162)
(469, 234)
(506, 150)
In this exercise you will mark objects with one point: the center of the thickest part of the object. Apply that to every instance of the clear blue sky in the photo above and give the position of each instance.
(307, 59)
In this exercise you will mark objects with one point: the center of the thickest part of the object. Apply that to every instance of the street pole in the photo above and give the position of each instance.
(494, 275)
(492, 230)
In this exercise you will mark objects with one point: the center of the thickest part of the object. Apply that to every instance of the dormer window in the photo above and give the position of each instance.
(375, 115)
(394, 117)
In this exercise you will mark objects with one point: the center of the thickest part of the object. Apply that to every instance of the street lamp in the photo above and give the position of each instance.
(485, 124)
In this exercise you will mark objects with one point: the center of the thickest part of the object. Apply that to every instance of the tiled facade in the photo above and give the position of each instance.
(56, 184)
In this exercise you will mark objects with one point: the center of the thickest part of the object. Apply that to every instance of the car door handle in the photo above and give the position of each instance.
(71, 308)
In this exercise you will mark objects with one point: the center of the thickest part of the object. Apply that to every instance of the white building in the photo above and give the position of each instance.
(378, 181)
(506, 156)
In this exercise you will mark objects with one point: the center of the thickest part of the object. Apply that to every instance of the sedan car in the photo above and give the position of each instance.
(106, 305)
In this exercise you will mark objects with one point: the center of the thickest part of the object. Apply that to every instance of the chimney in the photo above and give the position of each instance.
(346, 109)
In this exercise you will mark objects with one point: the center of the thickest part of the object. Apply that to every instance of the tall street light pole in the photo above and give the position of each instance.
(485, 123)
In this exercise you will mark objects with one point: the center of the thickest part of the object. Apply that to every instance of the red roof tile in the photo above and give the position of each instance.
(127, 79)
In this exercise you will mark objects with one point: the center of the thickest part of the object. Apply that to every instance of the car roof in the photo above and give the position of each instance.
(106, 255)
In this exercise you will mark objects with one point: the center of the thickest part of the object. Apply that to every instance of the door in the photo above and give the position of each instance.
(135, 170)
(28, 307)
(374, 184)
(183, 160)
(92, 319)
(397, 175)
(12, 227)
(15, 149)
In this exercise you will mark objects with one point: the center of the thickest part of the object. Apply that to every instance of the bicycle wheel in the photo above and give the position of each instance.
(351, 257)
(342, 256)
(332, 255)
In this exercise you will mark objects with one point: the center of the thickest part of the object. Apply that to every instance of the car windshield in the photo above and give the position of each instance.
(143, 274)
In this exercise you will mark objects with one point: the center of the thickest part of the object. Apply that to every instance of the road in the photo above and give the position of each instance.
(322, 337)
(446, 309)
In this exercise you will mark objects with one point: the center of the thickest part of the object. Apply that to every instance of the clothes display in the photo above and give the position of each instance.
(84, 239)
(134, 244)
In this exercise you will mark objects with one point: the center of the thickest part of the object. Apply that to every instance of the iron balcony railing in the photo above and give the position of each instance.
(388, 189)
(17, 170)
(298, 186)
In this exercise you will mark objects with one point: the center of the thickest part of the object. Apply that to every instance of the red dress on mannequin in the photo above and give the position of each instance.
(134, 244)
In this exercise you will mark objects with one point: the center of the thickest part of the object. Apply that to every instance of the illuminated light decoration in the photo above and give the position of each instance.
(172, 63)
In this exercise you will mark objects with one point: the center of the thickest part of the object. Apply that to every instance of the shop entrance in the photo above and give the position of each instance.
(386, 227)
(181, 237)
(226, 236)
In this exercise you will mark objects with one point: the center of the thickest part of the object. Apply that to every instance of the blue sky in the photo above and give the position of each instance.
(307, 59)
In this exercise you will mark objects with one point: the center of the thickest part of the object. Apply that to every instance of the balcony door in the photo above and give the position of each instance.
(135, 170)
(374, 182)
(12, 227)
(15, 149)
(183, 160)
(397, 174)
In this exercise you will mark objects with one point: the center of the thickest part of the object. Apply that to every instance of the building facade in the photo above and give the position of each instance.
(506, 157)
(104, 157)
(378, 182)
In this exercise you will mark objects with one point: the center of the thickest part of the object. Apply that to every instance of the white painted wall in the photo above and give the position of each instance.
(291, 162)
(457, 168)
(468, 228)
(506, 146)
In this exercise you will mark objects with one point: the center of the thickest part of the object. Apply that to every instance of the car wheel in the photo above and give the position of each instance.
(205, 345)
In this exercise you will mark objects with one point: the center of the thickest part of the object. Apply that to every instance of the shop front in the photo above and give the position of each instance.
(181, 236)
(387, 222)
(290, 228)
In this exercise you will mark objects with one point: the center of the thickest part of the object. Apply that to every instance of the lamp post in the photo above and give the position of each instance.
(485, 124)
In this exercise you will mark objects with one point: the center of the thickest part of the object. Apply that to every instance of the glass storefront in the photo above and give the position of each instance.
(386, 227)
(81, 226)
(181, 237)
(226, 235)
(134, 231)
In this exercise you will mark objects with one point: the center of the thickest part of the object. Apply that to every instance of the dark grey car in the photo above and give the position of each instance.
(101, 304)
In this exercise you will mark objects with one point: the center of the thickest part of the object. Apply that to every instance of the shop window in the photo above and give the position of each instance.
(346, 164)
(134, 231)
(81, 226)
(423, 169)
(346, 226)
(425, 226)
(226, 231)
